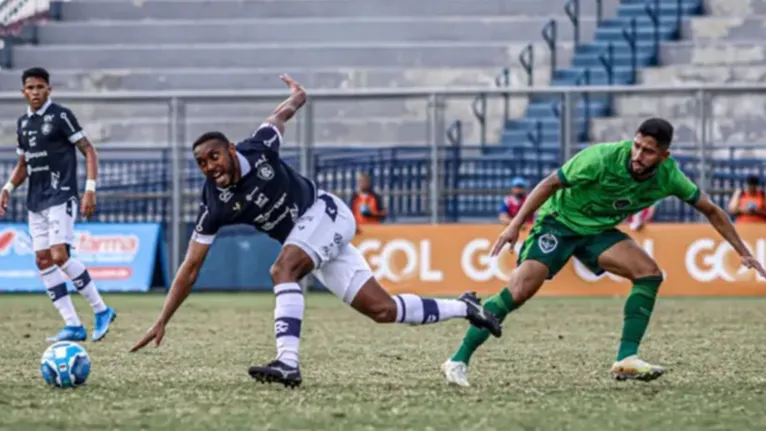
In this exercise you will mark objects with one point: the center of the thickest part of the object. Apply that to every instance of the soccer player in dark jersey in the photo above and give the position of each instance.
(47, 135)
(248, 183)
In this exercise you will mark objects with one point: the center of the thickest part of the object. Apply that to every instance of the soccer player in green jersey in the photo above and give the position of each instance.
(580, 205)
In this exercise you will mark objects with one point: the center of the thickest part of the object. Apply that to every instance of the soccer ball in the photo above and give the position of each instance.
(65, 365)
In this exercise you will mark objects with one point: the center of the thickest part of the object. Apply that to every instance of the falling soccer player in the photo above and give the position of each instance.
(248, 183)
(580, 205)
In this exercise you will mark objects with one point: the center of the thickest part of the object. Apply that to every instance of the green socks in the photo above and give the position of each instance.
(499, 305)
(638, 310)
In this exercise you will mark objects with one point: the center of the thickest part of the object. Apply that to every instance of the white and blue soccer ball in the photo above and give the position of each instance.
(65, 365)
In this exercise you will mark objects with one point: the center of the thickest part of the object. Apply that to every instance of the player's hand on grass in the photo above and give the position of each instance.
(4, 197)
(88, 205)
(156, 333)
(509, 236)
(753, 263)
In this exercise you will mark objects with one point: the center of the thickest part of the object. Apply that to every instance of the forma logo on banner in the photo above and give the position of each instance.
(450, 259)
(119, 257)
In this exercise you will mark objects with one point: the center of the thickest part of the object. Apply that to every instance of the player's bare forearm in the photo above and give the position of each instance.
(184, 279)
(541, 193)
(719, 219)
(91, 158)
(19, 174)
(287, 109)
(179, 291)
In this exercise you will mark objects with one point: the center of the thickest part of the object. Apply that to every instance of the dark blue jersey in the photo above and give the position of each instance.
(270, 195)
(46, 139)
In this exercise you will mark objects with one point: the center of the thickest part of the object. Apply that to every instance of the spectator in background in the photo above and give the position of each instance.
(512, 203)
(748, 205)
(366, 204)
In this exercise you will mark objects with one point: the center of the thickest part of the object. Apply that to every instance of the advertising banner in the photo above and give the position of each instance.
(14, 12)
(451, 259)
(120, 257)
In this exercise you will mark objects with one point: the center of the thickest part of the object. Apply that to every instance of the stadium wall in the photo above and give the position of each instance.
(445, 259)
(450, 259)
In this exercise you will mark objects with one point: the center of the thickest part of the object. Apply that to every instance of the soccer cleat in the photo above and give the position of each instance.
(479, 316)
(102, 322)
(632, 368)
(279, 372)
(70, 333)
(456, 373)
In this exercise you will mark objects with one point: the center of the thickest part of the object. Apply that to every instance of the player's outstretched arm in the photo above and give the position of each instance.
(287, 109)
(18, 177)
(179, 291)
(720, 221)
(541, 193)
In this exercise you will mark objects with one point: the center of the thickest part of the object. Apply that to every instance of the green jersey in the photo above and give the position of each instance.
(600, 192)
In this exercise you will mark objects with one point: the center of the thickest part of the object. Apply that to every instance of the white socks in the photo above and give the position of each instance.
(415, 310)
(76, 272)
(288, 316)
(55, 282)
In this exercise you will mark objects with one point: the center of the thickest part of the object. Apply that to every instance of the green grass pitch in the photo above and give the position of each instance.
(548, 372)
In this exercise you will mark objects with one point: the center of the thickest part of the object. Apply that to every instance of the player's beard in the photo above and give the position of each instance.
(646, 171)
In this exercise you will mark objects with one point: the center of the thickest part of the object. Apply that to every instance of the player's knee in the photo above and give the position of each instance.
(281, 272)
(525, 282)
(646, 269)
(59, 257)
(43, 260)
(384, 312)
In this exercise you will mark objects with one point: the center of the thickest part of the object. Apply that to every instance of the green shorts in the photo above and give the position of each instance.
(552, 244)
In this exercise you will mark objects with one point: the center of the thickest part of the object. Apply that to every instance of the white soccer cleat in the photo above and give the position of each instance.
(456, 373)
(632, 368)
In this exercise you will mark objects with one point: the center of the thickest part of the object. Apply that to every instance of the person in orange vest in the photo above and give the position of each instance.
(748, 204)
(366, 204)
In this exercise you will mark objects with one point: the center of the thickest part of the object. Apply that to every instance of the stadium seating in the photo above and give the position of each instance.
(118, 45)
(614, 54)
(230, 44)
(725, 46)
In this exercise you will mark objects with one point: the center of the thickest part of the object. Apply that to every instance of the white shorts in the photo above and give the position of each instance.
(325, 232)
(52, 226)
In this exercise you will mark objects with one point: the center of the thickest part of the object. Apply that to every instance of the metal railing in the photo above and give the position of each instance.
(434, 192)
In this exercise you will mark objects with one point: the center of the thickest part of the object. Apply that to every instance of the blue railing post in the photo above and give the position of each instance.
(632, 39)
(608, 62)
(455, 133)
(572, 9)
(550, 34)
(504, 80)
(653, 11)
(584, 80)
(527, 61)
(479, 108)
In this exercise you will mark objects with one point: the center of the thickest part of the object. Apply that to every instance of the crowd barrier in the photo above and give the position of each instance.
(451, 259)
